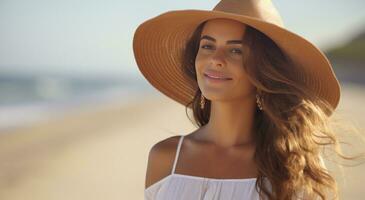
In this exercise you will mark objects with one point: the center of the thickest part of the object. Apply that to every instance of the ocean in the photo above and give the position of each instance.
(29, 97)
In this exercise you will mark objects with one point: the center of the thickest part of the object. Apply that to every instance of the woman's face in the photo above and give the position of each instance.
(220, 55)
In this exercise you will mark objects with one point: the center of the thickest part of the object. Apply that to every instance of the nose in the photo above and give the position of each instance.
(218, 58)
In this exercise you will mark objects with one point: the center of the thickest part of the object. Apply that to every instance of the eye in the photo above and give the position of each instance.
(238, 51)
(206, 46)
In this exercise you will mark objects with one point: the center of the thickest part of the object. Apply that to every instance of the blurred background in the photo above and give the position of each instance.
(77, 118)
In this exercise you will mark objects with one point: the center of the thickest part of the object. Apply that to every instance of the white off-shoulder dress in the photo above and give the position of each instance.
(186, 187)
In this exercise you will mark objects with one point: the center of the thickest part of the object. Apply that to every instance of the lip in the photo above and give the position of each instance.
(216, 75)
(215, 80)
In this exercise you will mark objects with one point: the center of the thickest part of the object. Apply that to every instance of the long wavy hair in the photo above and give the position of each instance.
(291, 128)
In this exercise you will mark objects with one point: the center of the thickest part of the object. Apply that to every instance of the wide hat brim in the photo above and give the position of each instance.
(158, 45)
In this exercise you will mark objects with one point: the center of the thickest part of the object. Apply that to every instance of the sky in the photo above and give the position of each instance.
(95, 36)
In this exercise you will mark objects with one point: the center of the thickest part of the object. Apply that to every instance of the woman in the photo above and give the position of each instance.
(260, 95)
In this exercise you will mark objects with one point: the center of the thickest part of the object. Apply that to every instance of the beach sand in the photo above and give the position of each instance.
(101, 152)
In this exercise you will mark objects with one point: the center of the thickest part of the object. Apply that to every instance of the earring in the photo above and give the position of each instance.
(258, 101)
(202, 101)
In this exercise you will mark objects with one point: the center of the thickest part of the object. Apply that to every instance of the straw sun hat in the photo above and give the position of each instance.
(158, 45)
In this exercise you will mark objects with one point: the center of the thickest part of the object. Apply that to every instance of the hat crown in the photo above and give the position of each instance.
(261, 9)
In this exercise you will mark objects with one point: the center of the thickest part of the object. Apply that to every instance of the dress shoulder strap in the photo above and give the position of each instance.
(177, 154)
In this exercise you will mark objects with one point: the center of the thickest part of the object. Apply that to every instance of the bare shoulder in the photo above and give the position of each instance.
(160, 160)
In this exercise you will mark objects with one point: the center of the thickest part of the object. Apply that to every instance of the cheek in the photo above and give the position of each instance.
(244, 83)
(242, 78)
(199, 57)
(237, 61)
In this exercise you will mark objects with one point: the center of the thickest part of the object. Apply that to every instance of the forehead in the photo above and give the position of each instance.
(224, 29)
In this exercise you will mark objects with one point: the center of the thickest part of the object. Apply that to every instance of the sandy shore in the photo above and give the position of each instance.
(101, 153)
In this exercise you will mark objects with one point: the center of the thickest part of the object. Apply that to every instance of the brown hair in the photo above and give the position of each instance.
(291, 128)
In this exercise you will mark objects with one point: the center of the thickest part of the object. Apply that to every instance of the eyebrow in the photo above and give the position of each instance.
(214, 40)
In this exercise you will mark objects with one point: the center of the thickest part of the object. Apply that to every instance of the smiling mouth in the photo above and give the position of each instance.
(216, 77)
(213, 79)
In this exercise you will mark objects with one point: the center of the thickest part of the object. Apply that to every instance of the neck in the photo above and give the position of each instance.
(231, 123)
